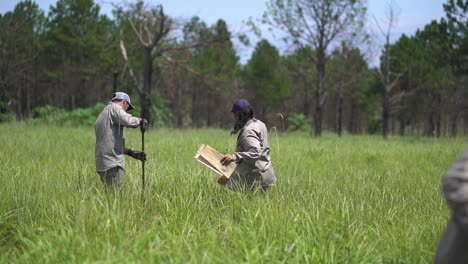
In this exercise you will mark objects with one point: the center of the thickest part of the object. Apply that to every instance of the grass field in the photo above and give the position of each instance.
(356, 199)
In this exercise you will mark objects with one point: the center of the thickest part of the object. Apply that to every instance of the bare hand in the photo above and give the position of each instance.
(226, 159)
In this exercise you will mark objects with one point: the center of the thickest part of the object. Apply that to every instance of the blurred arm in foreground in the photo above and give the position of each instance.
(453, 246)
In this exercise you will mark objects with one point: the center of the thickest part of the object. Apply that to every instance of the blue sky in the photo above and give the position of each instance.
(413, 14)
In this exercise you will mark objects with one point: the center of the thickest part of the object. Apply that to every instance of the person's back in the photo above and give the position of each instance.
(255, 135)
(110, 136)
(110, 139)
(252, 154)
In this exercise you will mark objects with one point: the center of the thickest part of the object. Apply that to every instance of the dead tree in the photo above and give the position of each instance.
(153, 30)
(151, 27)
(388, 79)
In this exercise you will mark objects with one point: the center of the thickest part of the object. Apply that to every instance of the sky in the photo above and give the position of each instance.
(412, 14)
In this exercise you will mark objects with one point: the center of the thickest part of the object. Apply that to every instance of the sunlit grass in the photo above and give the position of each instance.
(356, 199)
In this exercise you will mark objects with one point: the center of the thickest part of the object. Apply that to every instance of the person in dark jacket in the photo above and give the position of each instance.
(252, 153)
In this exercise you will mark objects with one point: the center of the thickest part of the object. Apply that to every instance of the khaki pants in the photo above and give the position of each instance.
(114, 176)
(252, 182)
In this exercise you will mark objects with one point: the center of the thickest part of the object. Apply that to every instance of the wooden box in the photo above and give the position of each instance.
(211, 158)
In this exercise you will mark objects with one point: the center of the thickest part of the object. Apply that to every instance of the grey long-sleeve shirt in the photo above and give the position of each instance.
(110, 136)
(253, 153)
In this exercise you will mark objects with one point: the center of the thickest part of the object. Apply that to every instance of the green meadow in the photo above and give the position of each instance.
(355, 199)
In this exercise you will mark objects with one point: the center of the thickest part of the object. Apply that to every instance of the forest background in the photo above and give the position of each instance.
(63, 67)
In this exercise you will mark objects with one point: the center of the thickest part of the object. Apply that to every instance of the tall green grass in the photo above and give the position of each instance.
(356, 199)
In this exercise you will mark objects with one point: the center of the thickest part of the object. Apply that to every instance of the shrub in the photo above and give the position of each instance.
(161, 113)
(51, 115)
(6, 117)
(375, 126)
(298, 122)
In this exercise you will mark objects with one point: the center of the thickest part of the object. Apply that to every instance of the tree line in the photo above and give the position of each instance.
(186, 73)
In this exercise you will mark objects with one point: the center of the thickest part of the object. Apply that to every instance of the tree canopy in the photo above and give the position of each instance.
(186, 73)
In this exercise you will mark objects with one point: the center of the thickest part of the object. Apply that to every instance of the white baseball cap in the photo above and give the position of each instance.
(123, 96)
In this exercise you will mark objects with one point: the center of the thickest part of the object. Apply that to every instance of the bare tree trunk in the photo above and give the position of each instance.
(402, 125)
(19, 105)
(35, 85)
(385, 76)
(145, 95)
(319, 91)
(115, 84)
(306, 109)
(438, 116)
(453, 124)
(465, 123)
(264, 113)
(386, 113)
(352, 117)
(61, 91)
(72, 102)
(431, 126)
(179, 106)
(402, 117)
(339, 118)
(318, 117)
(27, 109)
(194, 106)
(208, 109)
(337, 110)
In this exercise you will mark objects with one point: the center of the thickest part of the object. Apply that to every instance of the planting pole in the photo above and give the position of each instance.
(143, 161)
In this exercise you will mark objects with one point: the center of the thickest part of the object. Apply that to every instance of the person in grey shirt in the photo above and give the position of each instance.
(110, 139)
(453, 246)
(252, 153)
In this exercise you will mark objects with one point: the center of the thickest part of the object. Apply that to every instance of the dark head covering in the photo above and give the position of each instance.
(244, 111)
(239, 105)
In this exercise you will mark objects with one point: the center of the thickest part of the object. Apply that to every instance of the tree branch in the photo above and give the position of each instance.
(127, 64)
(132, 25)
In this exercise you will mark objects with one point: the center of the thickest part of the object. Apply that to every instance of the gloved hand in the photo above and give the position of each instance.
(143, 124)
(139, 155)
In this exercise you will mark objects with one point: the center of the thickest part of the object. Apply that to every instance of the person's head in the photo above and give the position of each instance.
(243, 112)
(123, 99)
